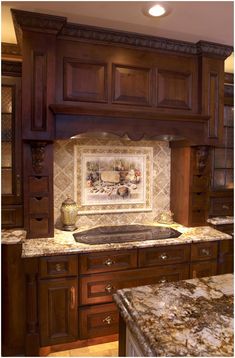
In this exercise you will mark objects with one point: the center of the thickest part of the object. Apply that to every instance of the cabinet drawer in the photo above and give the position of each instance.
(58, 266)
(38, 226)
(221, 206)
(38, 205)
(198, 217)
(107, 261)
(164, 255)
(203, 269)
(199, 200)
(204, 251)
(96, 321)
(200, 183)
(99, 288)
(38, 184)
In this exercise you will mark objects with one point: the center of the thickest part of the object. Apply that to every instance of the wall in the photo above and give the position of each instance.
(64, 180)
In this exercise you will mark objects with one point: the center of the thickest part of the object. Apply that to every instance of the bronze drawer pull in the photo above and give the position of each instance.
(163, 256)
(205, 252)
(109, 288)
(109, 262)
(58, 267)
(163, 280)
(108, 319)
(225, 207)
(72, 298)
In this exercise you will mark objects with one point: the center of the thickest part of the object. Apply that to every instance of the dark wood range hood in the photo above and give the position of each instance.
(78, 79)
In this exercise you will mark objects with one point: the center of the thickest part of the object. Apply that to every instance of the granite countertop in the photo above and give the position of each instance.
(13, 236)
(185, 318)
(64, 243)
(221, 220)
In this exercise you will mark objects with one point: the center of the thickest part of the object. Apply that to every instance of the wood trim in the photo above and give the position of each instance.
(31, 21)
(11, 68)
(213, 103)
(11, 51)
(228, 78)
(122, 337)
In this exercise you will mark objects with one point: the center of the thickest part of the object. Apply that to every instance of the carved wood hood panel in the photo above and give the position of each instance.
(95, 79)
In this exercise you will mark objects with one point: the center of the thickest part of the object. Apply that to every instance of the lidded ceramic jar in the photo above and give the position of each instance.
(69, 212)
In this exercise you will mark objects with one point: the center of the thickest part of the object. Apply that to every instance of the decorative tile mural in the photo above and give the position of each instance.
(64, 184)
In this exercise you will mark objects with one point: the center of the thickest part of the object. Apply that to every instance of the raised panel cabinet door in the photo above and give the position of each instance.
(174, 89)
(131, 85)
(58, 313)
(85, 82)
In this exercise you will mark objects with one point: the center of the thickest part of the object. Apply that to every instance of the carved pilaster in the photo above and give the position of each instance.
(38, 156)
(202, 155)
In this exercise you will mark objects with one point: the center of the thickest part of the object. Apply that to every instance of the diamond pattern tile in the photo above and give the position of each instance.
(64, 181)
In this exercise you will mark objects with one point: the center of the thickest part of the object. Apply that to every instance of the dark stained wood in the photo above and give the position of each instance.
(122, 337)
(11, 68)
(32, 330)
(203, 269)
(180, 189)
(99, 320)
(221, 206)
(12, 216)
(164, 255)
(58, 310)
(11, 52)
(204, 251)
(13, 301)
(174, 89)
(107, 261)
(84, 81)
(226, 257)
(99, 288)
(131, 85)
(58, 266)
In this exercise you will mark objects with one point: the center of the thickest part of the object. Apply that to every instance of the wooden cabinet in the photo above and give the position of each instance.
(58, 299)
(204, 257)
(226, 257)
(12, 202)
(190, 179)
(58, 310)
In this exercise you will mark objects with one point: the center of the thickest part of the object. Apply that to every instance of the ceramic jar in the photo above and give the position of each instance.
(69, 212)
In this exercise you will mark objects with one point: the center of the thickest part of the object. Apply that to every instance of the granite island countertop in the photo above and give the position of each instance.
(186, 318)
(64, 243)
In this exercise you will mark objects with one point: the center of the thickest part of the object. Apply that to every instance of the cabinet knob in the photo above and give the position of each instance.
(108, 319)
(58, 267)
(109, 262)
(109, 288)
(225, 207)
(205, 252)
(163, 280)
(163, 256)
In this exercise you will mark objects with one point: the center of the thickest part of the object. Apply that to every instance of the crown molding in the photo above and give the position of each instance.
(36, 22)
(57, 25)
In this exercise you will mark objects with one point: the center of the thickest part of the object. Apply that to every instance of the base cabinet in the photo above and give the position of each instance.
(58, 317)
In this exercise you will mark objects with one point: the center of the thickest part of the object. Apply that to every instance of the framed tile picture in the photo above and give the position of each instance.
(113, 179)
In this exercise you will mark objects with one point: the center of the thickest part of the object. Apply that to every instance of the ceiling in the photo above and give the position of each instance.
(187, 20)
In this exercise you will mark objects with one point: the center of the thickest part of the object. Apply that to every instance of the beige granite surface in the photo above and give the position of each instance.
(220, 220)
(12, 236)
(185, 318)
(64, 243)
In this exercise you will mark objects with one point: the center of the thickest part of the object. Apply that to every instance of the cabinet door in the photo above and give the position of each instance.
(11, 152)
(58, 310)
(203, 269)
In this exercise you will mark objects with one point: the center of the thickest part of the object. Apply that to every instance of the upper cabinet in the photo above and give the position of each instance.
(11, 169)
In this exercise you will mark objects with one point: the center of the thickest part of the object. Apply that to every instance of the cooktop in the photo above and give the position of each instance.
(124, 233)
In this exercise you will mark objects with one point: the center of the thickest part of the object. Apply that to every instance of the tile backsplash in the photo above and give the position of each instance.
(64, 181)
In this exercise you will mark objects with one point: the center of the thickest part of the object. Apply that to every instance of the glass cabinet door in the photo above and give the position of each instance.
(11, 141)
(223, 156)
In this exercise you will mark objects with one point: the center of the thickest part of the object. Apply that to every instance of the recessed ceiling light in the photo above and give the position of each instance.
(157, 10)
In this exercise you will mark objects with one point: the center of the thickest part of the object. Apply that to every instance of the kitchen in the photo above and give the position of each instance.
(121, 128)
